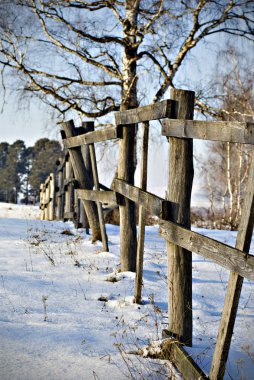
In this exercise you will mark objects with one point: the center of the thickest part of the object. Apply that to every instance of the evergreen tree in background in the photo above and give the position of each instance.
(13, 169)
(22, 169)
(26, 188)
(4, 148)
(44, 156)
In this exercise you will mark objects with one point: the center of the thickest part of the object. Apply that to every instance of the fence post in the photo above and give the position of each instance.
(62, 189)
(127, 211)
(46, 199)
(68, 188)
(142, 213)
(68, 130)
(59, 189)
(83, 217)
(42, 216)
(179, 191)
(51, 185)
(99, 205)
(87, 126)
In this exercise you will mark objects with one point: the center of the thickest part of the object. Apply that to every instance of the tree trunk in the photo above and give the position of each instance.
(127, 154)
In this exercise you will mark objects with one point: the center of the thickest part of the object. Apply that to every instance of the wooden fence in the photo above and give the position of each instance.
(47, 198)
(75, 182)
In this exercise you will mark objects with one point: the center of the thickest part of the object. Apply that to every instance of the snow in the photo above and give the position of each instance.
(66, 312)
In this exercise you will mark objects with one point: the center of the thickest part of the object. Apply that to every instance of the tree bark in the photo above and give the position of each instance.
(127, 150)
(179, 191)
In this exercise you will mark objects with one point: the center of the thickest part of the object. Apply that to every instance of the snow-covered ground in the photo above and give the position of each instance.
(67, 313)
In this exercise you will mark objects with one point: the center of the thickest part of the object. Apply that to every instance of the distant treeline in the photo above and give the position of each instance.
(23, 169)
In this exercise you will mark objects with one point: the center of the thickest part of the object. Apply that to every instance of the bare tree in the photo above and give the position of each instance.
(87, 56)
(92, 57)
(226, 169)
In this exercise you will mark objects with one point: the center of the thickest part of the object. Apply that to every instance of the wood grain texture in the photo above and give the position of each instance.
(147, 113)
(155, 205)
(180, 168)
(87, 126)
(176, 354)
(69, 215)
(230, 131)
(47, 198)
(52, 199)
(127, 211)
(98, 196)
(142, 214)
(228, 257)
(68, 207)
(93, 137)
(60, 194)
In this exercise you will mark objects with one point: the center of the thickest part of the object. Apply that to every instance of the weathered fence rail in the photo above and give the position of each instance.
(47, 198)
(78, 185)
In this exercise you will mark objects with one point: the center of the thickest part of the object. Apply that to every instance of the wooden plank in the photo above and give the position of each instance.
(142, 214)
(176, 354)
(180, 176)
(99, 205)
(41, 201)
(228, 257)
(52, 195)
(60, 208)
(46, 202)
(68, 207)
(82, 218)
(155, 205)
(68, 130)
(69, 215)
(93, 137)
(230, 131)
(46, 198)
(154, 111)
(87, 126)
(60, 191)
(98, 196)
(233, 293)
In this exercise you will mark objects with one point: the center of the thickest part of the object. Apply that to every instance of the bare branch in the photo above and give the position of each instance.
(198, 33)
(109, 70)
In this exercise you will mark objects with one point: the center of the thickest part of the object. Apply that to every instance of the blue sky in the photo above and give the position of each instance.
(28, 124)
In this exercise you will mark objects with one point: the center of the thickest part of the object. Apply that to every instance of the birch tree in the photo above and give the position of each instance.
(226, 171)
(93, 57)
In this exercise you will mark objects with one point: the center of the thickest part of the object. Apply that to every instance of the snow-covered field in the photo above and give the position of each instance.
(67, 313)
